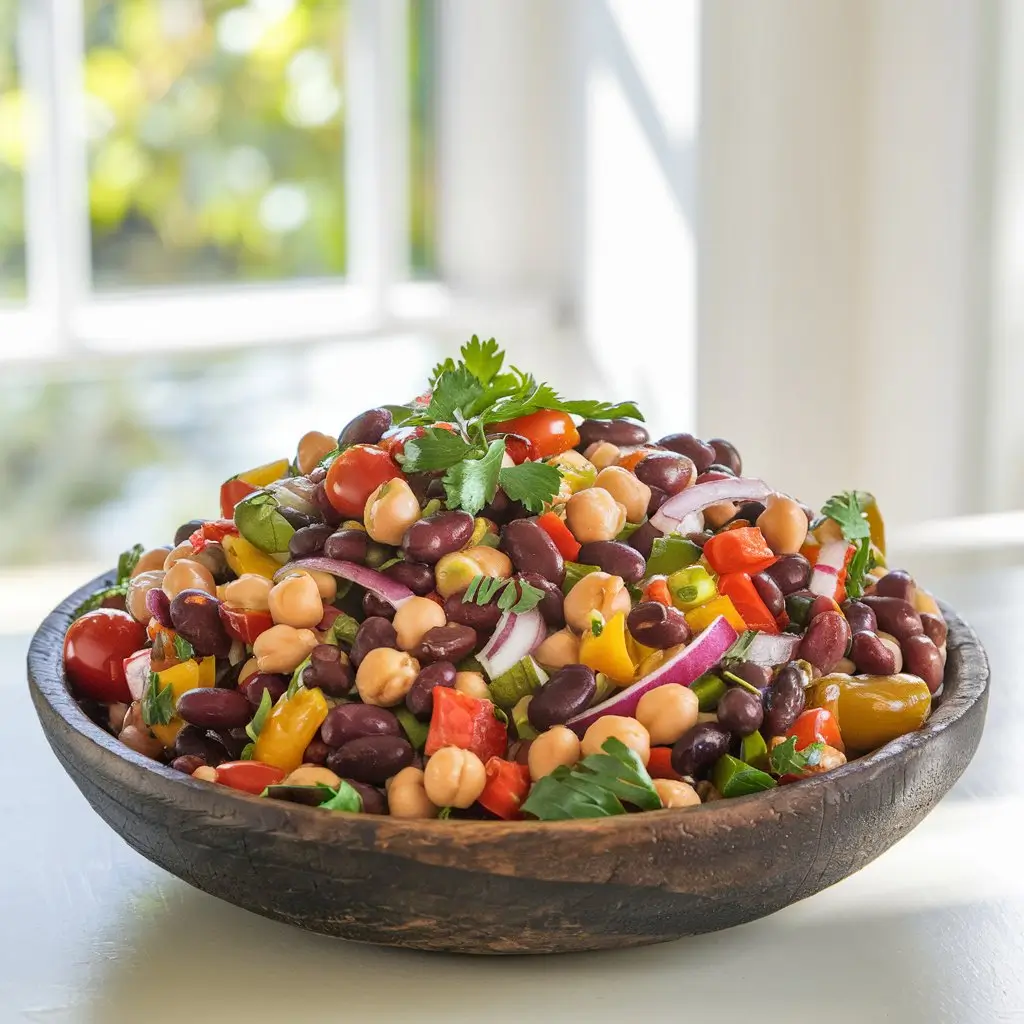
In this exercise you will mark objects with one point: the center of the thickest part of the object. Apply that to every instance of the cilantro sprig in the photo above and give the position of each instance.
(785, 759)
(157, 702)
(126, 563)
(846, 511)
(516, 596)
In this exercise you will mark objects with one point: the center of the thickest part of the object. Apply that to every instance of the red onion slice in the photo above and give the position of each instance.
(377, 583)
(772, 649)
(700, 496)
(513, 639)
(831, 559)
(136, 672)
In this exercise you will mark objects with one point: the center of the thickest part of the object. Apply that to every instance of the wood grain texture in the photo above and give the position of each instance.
(520, 887)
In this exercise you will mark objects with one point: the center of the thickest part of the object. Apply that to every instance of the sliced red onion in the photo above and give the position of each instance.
(772, 649)
(136, 672)
(700, 496)
(827, 568)
(692, 523)
(513, 639)
(377, 583)
(684, 668)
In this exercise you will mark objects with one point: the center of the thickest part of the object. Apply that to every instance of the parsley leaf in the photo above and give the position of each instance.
(157, 702)
(845, 509)
(344, 798)
(858, 569)
(483, 359)
(126, 563)
(437, 449)
(183, 649)
(785, 759)
(255, 727)
(532, 483)
(532, 397)
(471, 484)
(455, 391)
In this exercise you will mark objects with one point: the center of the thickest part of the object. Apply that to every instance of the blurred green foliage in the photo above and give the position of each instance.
(12, 159)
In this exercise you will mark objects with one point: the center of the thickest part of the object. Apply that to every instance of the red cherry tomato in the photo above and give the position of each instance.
(248, 776)
(816, 725)
(355, 474)
(518, 447)
(245, 625)
(550, 432)
(95, 649)
(395, 439)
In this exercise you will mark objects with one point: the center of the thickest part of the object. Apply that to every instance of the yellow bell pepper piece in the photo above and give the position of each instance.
(698, 619)
(265, 474)
(188, 675)
(875, 522)
(608, 652)
(245, 557)
(289, 729)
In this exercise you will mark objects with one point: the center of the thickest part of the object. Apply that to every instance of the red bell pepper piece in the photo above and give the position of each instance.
(740, 550)
(816, 725)
(656, 589)
(459, 720)
(740, 589)
(248, 776)
(508, 784)
(567, 544)
(245, 625)
(660, 764)
(212, 532)
(231, 493)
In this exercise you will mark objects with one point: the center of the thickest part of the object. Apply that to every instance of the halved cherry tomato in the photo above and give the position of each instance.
(245, 625)
(95, 649)
(816, 725)
(518, 447)
(211, 532)
(549, 431)
(355, 474)
(508, 784)
(660, 764)
(395, 439)
(248, 776)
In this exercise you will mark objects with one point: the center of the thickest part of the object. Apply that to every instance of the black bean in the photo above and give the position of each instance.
(253, 687)
(420, 698)
(195, 616)
(481, 617)
(769, 592)
(346, 722)
(371, 759)
(726, 455)
(617, 432)
(870, 655)
(897, 583)
(669, 471)
(552, 604)
(450, 642)
(698, 749)
(187, 763)
(193, 741)
(784, 700)
(859, 616)
(740, 711)
(430, 539)
(530, 549)
(614, 557)
(186, 530)
(309, 541)
(372, 633)
(790, 572)
(329, 669)
(643, 537)
(210, 708)
(348, 545)
(749, 511)
(367, 428)
(656, 625)
(895, 616)
(295, 518)
(699, 452)
(327, 511)
(419, 578)
(233, 740)
(568, 692)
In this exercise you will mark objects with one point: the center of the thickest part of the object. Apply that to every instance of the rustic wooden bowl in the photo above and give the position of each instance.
(521, 887)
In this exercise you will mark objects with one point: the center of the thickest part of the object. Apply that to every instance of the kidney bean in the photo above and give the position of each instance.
(657, 499)
(698, 749)
(566, 693)
(530, 549)
(372, 759)
(614, 557)
(870, 655)
(552, 604)
(376, 607)
(898, 583)
(374, 801)
(727, 455)
(501, 509)
(666, 470)
(158, 604)
(316, 474)
(450, 642)
(296, 519)
(373, 632)
(348, 545)
(419, 578)
(367, 428)
(895, 616)
(922, 658)
(750, 672)
(824, 643)
(346, 722)
(186, 530)
(617, 432)
(749, 511)
(740, 711)
(253, 687)
(187, 763)
(420, 698)
(481, 617)
(316, 752)
(790, 572)
(701, 538)
(211, 708)
(820, 604)
(934, 628)
(519, 751)
(193, 741)
(309, 541)
(328, 513)
(770, 592)
(195, 616)
(643, 537)
(784, 700)
(234, 742)
(699, 452)
(860, 617)
(656, 625)
(329, 669)
(428, 540)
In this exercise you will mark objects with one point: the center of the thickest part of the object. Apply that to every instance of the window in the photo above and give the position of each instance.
(12, 160)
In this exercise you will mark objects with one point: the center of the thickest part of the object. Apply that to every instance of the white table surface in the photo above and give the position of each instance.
(931, 931)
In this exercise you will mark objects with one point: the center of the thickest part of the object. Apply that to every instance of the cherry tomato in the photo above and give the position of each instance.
(518, 447)
(355, 474)
(245, 625)
(816, 725)
(248, 776)
(95, 650)
(550, 432)
(395, 439)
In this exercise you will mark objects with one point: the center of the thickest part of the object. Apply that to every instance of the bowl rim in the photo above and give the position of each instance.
(47, 683)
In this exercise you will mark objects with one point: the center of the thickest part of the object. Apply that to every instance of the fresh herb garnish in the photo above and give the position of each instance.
(248, 751)
(343, 631)
(845, 509)
(344, 798)
(126, 563)
(255, 727)
(516, 595)
(295, 683)
(261, 524)
(738, 651)
(472, 483)
(532, 483)
(182, 648)
(157, 702)
(785, 759)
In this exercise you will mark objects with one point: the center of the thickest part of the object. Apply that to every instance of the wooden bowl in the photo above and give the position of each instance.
(520, 887)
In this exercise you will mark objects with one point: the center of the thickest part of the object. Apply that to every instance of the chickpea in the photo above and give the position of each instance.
(577, 470)
(924, 602)
(719, 514)
(250, 668)
(295, 601)
(249, 592)
(594, 514)
(282, 648)
(141, 740)
(138, 588)
(603, 454)
(313, 446)
(204, 773)
(414, 618)
(186, 574)
(326, 584)
(626, 489)
(390, 510)
(310, 775)
(676, 794)
(176, 554)
(454, 571)
(626, 730)
(407, 795)
(385, 676)
(668, 712)
(490, 561)
(213, 557)
(897, 652)
(150, 560)
(559, 745)
(454, 777)
(784, 524)
(473, 684)
(559, 649)
(561, 498)
(597, 591)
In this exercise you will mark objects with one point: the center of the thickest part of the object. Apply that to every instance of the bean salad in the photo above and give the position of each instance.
(496, 603)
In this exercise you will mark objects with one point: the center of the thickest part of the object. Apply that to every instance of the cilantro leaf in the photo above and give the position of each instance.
(446, 367)
(437, 449)
(532, 483)
(483, 359)
(157, 702)
(845, 509)
(858, 569)
(183, 649)
(785, 759)
(533, 396)
(255, 727)
(471, 484)
(455, 391)
(127, 561)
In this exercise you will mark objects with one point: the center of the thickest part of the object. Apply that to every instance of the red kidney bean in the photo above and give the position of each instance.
(316, 752)
(770, 592)
(316, 474)
(748, 511)
(348, 545)
(824, 643)
(186, 530)
(530, 549)
(192, 741)
(740, 711)
(657, 499)
(669, 471)
(895, 616)
(481, 617)
(784, 700)
(934, 628)
(519, 751)
(922, 658)
(420, 698)
(699, 452)
(656, 625)
(234, 742)
(367, 428)
(727, 455)
(643, 537)
(309, 541)
(870, 655)
(552, 604)
(158, 604)
(614, 557)
(699, 748)
(790, 572)
(253, 687)
(329, 669)
(859, 616)
(373, 632)
(373, 799)
(617, 432)
(328, 513)
(371, 759)
(750, 672)
(296, 519)
(187, 763)
(820, 604)
(347, 722)
(568, 692)
(375, 607)
(897, 583)
(211, 708)
(450, 642)
(419, 578)
(195, 616)
(428, 540)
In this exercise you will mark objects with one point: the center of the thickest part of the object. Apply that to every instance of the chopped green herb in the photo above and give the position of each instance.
(182, 648)
(157, 702)
(415, 730)
(738, 651)
(295, 683)
(247, 752)
(261, 524)
(471, 484)
(733, 777)
(785, 759)
(343, 631)
(255, 727)
(344, 798)
(437, 449)
(532, 483)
